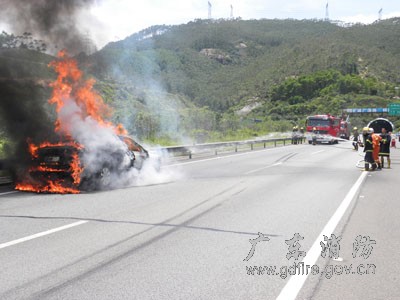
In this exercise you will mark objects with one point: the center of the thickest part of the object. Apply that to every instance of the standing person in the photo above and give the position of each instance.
(314, 136)
(393, 137)
(356, 137)
(385, 147)
(376, 141)
(301, 135)
(368, 148)
(295, 135)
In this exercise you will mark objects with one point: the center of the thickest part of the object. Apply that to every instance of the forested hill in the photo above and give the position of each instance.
(220, 63)
(219, 79)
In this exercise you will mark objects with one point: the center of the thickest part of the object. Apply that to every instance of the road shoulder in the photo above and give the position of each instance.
(375, 215)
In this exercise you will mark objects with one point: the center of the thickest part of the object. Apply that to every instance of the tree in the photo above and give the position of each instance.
(24, 41)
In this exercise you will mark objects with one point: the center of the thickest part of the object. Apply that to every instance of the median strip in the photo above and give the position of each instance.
(40, 234)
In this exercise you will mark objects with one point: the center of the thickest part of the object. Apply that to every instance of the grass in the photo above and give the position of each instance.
(3, 143)
(164, 141)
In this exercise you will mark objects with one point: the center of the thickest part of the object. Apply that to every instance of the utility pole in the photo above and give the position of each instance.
(231, 11)
(327, 11)
(88, 44)
(380, 14)
(209, 10)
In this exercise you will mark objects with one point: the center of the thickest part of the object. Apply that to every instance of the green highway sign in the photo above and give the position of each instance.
(394, 109)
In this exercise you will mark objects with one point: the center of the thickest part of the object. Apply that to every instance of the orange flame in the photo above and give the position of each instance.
(45, 169)
(33, 149)
(52, 187)
(76, 169)
(70, 85)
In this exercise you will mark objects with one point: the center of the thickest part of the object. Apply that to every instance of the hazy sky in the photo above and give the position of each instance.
(110, 20)
(124, 17)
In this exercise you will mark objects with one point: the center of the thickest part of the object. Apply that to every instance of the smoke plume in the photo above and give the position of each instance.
(52, 20)
(22, 115)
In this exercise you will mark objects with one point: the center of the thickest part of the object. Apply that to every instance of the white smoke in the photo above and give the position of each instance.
(151, 173)
(103, 148)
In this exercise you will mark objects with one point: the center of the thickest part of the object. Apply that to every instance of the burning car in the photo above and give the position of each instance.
(93, 152)
(69, 167)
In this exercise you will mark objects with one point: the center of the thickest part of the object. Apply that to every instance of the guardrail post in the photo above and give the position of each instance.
(216, 152)
(284, 142)
(235, 148)
(251, 146)
(190, 154)
(274, 143)
(265, 144)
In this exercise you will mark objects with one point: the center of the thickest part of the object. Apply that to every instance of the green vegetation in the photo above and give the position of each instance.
(24, 41)
(3, 145)
(325, 92)
(234, 79)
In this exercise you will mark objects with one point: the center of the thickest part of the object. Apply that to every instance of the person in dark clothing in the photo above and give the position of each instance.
(368, 149)
(314, 136)
(356, 136)
(385, 147)
(301, 135)
(295, 134)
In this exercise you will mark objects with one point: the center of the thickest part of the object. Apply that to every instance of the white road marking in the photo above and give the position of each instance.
(6, 193)
(40, 234)
(295, 283)
(317, 152)
(221, 157)
(259, 169)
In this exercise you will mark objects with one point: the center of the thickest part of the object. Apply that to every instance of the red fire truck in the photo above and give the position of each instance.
(345, 129)
(327, 128)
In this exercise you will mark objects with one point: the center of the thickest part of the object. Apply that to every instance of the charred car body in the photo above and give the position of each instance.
(83, 168)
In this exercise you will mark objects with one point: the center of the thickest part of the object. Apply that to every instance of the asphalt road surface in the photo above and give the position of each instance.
(185, 234)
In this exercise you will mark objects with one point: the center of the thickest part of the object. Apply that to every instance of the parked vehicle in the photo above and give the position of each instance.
(326, 127)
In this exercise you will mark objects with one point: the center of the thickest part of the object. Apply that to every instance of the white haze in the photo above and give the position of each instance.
(100, 146)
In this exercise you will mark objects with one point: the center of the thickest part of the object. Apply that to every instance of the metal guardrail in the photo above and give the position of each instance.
(4, 177)
(5, 180)
(190, 150)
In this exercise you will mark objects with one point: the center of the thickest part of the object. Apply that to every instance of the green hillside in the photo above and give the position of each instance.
(226, 79)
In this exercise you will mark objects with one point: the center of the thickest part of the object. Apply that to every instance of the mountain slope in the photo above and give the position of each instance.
(231, 78)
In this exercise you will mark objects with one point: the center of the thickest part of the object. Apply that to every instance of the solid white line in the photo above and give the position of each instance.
(263, 168)
(6, 193)
(295, 283)
(317, 152)
(221, 157)
(40, 234)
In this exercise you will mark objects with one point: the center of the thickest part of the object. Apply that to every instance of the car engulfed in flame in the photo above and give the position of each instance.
(92, 151)
(60, 167)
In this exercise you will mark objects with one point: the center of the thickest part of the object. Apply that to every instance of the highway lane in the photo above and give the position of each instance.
(375, 215)
(185, 238)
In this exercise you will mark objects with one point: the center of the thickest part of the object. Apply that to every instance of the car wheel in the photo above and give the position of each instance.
(104, 178)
